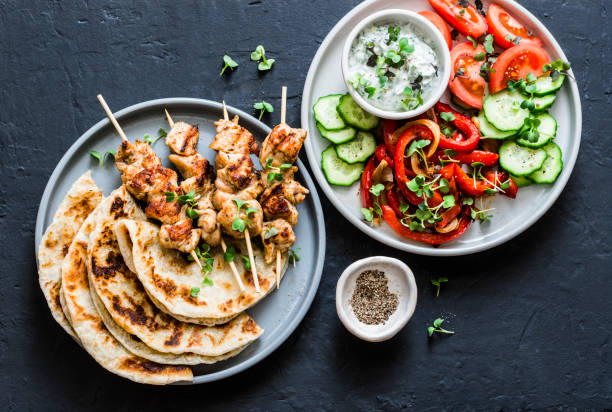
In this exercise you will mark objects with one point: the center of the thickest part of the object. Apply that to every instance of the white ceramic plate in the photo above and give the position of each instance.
(281, 312)
(511, 217)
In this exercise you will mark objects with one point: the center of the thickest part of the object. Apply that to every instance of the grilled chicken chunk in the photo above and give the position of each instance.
(211, 230)
(131, 158)
(282, 240)
(183, 139)
(277, 206)
(180, 236)
(229, 213)
(233, 138)
(149, 183)
(294, 191)
(194, 165)
(222, 194)
(282, 145)
(237, 175)
(166, 212)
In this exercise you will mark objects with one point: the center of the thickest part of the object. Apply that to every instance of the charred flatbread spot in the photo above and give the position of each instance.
(186, 295)
(136, 315)
(117, 207)
(65, 250)
(250, 327)
(149, 366)
(113, 260)
(167, 286)
(175, 338)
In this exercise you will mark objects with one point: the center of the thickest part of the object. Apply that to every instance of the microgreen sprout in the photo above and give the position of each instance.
(417, 147)
(194, 292)
(229, 62)
(294, 257)
(516, 40)
(393, 33)
(160, 133)
(437, 283)
(275, 173)
(270, 233)
(260, 54)
(207, 261)
(229, 254)
(377, 189)
(263, 107)
(240, 224)
(246, 261)
(102, 158)
(437, 328)
(557, 68)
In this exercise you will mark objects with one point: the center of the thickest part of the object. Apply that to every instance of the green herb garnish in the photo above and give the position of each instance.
(102, 158)
(437, 283)
(436, 328)
(260, 54)
(294, 257)
(263, 107)
(229, 62)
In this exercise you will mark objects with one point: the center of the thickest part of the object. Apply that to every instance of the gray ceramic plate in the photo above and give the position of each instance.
(281, 312)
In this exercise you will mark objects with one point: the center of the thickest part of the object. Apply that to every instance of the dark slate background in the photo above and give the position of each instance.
(533, 317)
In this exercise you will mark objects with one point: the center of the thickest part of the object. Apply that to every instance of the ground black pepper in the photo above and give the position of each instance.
(372, 301)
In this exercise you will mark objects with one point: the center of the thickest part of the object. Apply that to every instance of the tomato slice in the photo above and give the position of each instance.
(440, 24)
(515, 64)
(502, 25)
(467, 21)
(469, 87)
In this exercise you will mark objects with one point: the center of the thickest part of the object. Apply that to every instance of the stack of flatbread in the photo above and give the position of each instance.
(129, 302)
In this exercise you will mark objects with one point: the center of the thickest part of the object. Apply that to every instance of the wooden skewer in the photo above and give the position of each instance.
(247, 235)
(111, 117)
(223, 246)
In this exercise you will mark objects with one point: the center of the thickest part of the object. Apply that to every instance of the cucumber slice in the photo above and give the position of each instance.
(337, 136)
(544, 103)
(520, 161)
(325, 112)
(552, 166)
(490, 131)
(357, 150)
(521, 181)
(354, 115)
(545, 85)
(503, 110)
(547, 129)
(338, 172)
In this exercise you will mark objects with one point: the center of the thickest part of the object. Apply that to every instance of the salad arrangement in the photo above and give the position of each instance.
(431, 177)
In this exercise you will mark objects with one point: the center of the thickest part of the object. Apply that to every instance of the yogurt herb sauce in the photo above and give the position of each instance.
(393, 67)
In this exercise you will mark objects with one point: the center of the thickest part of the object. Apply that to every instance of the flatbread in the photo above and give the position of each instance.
(128, 304)
(80, 201)
(137, 347)
(168, 277)
(88, 324)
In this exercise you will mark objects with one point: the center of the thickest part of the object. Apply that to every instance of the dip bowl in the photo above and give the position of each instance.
(431, 36)
(401, 282)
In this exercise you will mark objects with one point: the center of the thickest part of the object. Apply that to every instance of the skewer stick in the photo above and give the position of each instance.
(170, 121)
(247, 235)
(111, 117)
(233, 266)
(283, 104)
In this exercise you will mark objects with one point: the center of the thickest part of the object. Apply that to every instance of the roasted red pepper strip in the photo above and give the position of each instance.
(381, 154)
(487, 158)
(468, 185)
(401, 173)
(389, 127)
(429, 238)
(448, 172)
(366, 183)
(394, 201)
(465, 125)
(499, 178)
(449, 215)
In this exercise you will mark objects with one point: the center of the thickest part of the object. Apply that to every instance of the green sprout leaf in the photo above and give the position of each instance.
(263, 107)
(229, 62)
(438, 283)
(377, 189)
(447, 116)
(229, 254)
(367, 214)
(270, 233)
(194, 292)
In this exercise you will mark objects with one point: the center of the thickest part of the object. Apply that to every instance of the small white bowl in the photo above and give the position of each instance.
(436, 41)
(401, 282)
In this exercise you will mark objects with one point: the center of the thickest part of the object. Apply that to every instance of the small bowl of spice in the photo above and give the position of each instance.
(376, 297)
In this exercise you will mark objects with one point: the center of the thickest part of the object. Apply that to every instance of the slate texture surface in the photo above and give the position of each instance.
(533, 318)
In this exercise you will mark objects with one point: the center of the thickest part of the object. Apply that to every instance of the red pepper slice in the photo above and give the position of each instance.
(401, 172)
(465, 125)
(487, 158)
(366, 183)
(429, 238)
(449, 215)
(469, 185)
(394, 201)
(381, 154)
(388, 128)
(499, 177)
